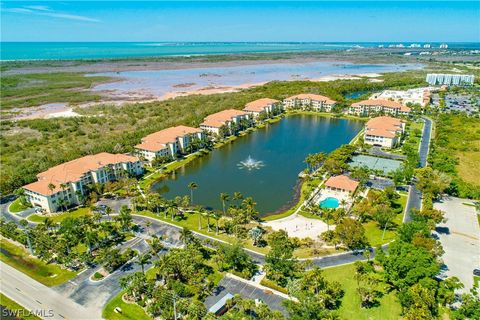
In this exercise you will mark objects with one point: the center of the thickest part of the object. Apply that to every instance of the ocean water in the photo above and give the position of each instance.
(99, 50)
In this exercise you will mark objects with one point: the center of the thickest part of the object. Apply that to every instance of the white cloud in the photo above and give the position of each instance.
(40, 8)
(46, 11)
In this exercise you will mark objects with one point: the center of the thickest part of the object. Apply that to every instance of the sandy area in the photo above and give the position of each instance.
(299, 226)
(117, 98)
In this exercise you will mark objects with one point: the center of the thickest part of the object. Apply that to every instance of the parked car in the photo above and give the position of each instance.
(476, 272)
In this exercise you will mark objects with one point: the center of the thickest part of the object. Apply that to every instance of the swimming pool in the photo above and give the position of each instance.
(329, 203)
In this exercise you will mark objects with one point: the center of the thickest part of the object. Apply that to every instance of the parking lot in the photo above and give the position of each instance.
(460, 238)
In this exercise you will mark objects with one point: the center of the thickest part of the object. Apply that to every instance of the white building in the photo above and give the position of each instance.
(378, 106)
(168, 142)
(262, 106)
(384, 131)
(307, 100)
(226, 118)
(419, 96)
(450, 79)
(65, 184)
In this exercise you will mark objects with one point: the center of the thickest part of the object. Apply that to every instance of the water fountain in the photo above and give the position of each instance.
(250, 164)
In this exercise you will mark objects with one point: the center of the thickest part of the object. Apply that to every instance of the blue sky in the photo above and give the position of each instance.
(447, 21)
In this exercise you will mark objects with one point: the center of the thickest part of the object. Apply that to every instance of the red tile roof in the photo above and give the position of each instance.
(379, 102)
(259, 105)
(73, 170)
(342, 182)
(159, 140)
(383, 126)
(311, 96)
(219, 119)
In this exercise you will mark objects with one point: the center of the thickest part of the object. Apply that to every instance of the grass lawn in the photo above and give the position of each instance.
(17, 206)
(374, 232)
(19, 258)
(468, 168)
(389, 307)
(129, 311)
(79, 212)
(191, 222)
(15, 308)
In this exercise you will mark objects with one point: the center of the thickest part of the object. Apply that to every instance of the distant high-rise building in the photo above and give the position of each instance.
(450, 79)
(444, 46)
(427, 45)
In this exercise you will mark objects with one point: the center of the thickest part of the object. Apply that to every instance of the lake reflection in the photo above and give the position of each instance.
(281, 148)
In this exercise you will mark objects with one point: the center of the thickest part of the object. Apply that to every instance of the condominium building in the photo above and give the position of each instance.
(262, 106)
(450, 79)
(378, 106)
(226, 118)
(65, 184)
(308, 100)
(419, 96)
(384, 131)
(168, 142)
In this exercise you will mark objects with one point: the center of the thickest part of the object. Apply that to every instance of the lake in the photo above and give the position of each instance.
(282, 148)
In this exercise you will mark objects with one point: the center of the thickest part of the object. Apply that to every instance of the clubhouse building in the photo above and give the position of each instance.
(379, 106)
(307, 100)
(228, 119)
(168, 142)
(384, 131)
(342, 183)
(264, 106)
(64, 185)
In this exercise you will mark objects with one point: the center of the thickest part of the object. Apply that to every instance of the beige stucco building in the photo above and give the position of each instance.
(168, 142)
(68, 181)
(307, 100)
(384, 131)
(379, 106)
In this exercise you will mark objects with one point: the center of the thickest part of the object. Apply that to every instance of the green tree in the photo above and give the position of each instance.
(280, 265)
(351, 233)
(192, 186)
(224, 197)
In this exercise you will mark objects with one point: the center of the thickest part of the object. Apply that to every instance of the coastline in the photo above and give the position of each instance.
(59, 109)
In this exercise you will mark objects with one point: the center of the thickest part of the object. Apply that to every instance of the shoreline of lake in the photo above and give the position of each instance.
(327, 133)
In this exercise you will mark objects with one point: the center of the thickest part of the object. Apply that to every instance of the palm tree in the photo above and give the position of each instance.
(328, 216)
(144, 259)
(186, 235)
(108, 211)
(192, 186)
(156, 245)
(237, 196)
(51, 187)
(216, 216)
(172, 210)
(224, 197)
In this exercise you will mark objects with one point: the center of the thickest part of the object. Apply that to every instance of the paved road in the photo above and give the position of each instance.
(40, 299)
(377, 151)
(95, 294)
(414, 195)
